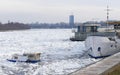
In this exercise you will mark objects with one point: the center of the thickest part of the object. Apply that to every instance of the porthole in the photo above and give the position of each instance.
(99, 48)
(90, 48)
(111, 45)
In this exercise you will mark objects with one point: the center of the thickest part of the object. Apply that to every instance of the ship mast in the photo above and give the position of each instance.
(107, 16)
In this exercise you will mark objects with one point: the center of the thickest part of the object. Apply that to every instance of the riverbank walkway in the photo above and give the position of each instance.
(107, 66)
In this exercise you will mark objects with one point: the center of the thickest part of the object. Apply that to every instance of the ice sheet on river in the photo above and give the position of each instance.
(59, 55)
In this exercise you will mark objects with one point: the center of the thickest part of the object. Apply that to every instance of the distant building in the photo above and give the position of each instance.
(71, 21)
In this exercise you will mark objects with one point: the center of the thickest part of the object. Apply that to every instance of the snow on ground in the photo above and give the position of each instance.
(59, 55)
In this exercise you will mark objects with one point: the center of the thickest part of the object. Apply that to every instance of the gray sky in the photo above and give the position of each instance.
(52, 11)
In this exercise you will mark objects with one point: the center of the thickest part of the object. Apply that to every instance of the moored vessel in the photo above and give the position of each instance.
(26, 57)
(103, 46)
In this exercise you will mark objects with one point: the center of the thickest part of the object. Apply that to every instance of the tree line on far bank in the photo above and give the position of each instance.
(13, 26)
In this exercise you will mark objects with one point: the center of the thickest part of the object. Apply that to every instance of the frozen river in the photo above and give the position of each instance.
(59, 55)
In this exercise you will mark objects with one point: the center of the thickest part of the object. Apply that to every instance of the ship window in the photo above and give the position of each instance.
(88, 29)
(24, 55)
(91, 48)
(93, 29)
(99, 48)
(15, 57)
(111, 45)
(31, 55)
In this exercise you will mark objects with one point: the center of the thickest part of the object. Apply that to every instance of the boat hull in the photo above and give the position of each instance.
(28, 61)
(97, 57)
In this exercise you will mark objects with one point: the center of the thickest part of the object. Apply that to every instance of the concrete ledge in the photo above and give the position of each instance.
(107, 66)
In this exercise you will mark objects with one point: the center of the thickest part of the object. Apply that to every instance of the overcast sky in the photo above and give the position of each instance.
(52, 11)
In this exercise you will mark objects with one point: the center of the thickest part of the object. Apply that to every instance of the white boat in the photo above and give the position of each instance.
(103, 46)
(100, 47)
(26, 57)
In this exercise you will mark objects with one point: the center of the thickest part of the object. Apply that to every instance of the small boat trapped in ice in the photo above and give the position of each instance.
(26, 57)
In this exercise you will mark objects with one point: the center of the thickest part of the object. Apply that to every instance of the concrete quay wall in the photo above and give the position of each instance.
(107, 66)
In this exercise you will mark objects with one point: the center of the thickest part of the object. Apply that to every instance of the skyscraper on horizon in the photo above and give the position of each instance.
(71, 21)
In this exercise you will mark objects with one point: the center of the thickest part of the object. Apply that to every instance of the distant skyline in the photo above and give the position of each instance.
(53, 11)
